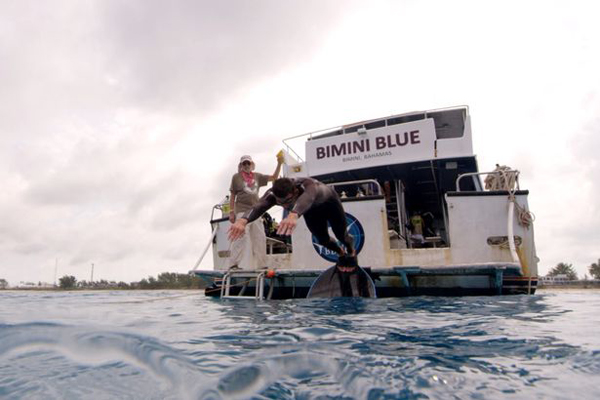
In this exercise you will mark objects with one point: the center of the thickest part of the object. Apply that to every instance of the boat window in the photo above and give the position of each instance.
(405, 118)
(449, 123)
(353, 128)
(328, 134)
(375, 124)
(371, 125)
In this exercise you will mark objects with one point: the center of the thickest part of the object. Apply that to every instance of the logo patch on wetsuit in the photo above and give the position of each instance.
(354, 228)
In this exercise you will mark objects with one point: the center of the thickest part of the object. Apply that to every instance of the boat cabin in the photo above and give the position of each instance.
(414, 201)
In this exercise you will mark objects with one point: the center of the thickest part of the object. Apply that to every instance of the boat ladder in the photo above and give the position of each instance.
(248, 276)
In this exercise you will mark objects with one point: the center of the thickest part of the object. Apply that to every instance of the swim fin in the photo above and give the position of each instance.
(345, 279)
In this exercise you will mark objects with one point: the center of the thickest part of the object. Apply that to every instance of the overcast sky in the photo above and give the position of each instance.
(121, 122)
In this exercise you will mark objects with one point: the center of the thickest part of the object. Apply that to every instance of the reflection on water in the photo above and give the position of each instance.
(183, 345)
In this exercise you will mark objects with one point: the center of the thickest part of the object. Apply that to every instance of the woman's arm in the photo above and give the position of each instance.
(277, 169)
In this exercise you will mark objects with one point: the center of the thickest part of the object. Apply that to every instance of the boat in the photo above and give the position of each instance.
(424, 219)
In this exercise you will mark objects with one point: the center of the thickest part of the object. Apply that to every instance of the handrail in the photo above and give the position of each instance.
(309, 134)
(289, 149)
(272, 241)
(259, 292)
(219, 206)
(214, 233)
(361, 182)
(487, 173)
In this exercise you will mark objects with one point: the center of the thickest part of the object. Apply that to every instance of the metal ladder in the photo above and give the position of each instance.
(259, 293)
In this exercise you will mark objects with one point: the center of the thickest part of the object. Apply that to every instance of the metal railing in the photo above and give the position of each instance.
(499, 173)
(358, 184)
(258, 276)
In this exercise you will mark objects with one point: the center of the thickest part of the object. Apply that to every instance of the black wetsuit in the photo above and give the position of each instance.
(319, 204)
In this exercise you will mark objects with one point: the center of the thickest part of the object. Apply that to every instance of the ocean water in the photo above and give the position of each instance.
(182, 345)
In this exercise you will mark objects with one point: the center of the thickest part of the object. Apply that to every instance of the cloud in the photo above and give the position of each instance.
(584, 228)
(567, 187)
(98, 98)
(83, 61)
(192, 56)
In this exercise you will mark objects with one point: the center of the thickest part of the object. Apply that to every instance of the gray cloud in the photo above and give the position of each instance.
(82, 61)
(585, 147)
(575, 225)
(86, 87)
(192, 56)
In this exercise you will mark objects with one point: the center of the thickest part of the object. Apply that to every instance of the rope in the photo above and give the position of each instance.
(524, 217)
(508, 179)
(214, 233)
(504, 178)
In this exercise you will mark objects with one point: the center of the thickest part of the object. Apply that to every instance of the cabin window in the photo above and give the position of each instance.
(405, 118)
(326, 135)
(353, 128)
(449, 123)
(375, 124)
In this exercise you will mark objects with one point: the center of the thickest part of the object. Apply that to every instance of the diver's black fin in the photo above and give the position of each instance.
(334, 283)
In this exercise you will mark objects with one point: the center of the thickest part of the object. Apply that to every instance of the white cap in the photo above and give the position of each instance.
(246, 158)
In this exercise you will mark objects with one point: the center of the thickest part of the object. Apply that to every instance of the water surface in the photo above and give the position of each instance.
(180, 344)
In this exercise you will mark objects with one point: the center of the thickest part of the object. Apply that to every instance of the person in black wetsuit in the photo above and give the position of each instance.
(317, 202)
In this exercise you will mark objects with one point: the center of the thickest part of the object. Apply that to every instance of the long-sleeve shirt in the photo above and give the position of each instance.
(312, 193)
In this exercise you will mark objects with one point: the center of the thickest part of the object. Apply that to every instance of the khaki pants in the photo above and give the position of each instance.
(250, 251)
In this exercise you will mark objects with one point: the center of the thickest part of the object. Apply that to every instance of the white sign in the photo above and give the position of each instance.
(395, 144)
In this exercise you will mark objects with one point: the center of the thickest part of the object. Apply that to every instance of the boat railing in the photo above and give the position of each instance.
(304, 136)
(222, 206)
(364, 187)
(506, 179)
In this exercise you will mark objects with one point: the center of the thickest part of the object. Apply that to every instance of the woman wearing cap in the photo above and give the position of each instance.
(250, 251)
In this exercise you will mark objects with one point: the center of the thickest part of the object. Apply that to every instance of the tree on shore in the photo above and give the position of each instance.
(595, 270)
(165, 280)
(171, 280)
(67, 282)
(3, 284)
(564, 269)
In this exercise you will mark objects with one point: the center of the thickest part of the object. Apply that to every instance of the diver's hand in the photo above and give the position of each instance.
(287, 226)
(238, 229)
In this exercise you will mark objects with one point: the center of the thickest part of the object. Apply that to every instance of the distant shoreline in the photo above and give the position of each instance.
(89, 289)
(571, 285)
(568, 287)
